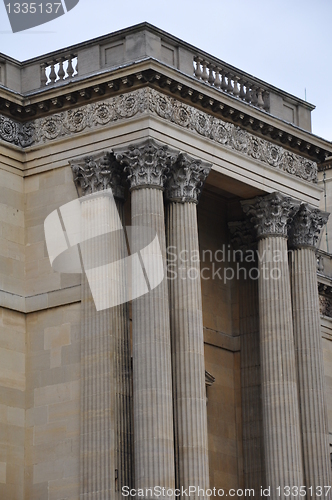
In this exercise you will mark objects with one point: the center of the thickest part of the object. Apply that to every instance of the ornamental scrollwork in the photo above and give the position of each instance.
(271, 214)
(97, 173)
(146, 163)
(16, 133)
(306, 226)
(140, 101)
(185, 179)
(242, 235)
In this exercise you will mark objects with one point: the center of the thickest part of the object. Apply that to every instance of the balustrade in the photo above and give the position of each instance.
(58, 69)
(235, 84)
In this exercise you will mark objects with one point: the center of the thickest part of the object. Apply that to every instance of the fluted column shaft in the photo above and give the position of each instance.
(152, 373)
(105, 446)
(184, 185)
(308, 346)
(244, 240)
(251, 384)
(281, 419)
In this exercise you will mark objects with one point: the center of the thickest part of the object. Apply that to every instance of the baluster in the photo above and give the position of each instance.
(70, 69)
(205, 75)
(260, 102)
(211, 75)
(266, 99)
(217, 81)
(229, 86)
(52, 75)
(248, 92)
(198, 71)
(242, 91)
(236, 90)
(223, 80)
(61, 71)
(76, 67)
(253, 95)
(43, 76)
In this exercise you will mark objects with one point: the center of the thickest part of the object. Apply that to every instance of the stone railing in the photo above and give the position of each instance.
(145, 42)
(235, 83)
(60, 68)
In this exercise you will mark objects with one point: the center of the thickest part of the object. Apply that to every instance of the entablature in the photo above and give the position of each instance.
(146, 56)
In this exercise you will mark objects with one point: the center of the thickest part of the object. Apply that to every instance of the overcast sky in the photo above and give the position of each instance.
(284, 42)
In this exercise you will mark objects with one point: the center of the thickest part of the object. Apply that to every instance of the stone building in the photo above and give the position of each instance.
(220, 376)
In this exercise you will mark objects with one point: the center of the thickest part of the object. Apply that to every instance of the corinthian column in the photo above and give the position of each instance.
(105, 350)
(244, 240)
(146, 164)
(281, 419)
(184, 185)
(304, 233)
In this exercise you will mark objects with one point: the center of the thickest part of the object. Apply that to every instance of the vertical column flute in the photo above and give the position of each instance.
(147, 164)
(281, 418)
(105, 352)
(244, 242)
(184, 184)
(304, 233)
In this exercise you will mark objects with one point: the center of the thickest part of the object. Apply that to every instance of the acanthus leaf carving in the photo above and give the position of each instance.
(98, 172)
(306, 226)
(242, 235)
(125, 106)
(146, 163)
(186, 178)
(271, 214)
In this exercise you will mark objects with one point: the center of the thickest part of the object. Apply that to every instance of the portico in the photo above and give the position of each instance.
(203, 381)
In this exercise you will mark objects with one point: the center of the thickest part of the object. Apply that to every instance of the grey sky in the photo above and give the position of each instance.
(285, 42)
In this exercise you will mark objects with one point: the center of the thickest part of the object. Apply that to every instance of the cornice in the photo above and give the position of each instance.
(149, 72)
(149, 101)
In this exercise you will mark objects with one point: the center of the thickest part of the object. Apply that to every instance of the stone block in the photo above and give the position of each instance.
(47, 471)
(55, 337)
(64, 411)
(31, 183)
(49, 433)
(52, 394)
(68, 488)
(12, 339)
(36, 416)
(3, 467)
(13, 233)
(16, 416)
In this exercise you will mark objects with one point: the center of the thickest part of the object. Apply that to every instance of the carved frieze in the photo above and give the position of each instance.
(98, 172)
(146, 163)
(306, 226)
(96, 115)
(271, 214)
(20, 134)
(186, 178)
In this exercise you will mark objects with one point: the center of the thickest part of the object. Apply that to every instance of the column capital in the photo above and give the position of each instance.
(306, 226)
(98, 172)
(147, 163)
(242, 234)
(186, 178)
(270, 214)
